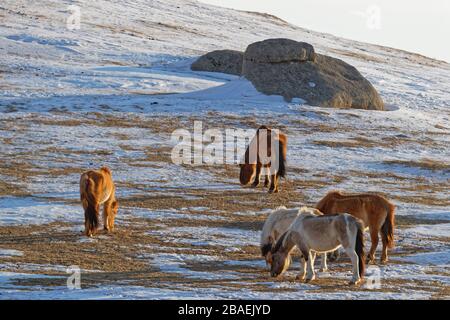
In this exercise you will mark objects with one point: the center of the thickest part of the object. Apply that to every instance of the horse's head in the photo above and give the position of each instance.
(280, 256)
(280, 262)
(247, 173)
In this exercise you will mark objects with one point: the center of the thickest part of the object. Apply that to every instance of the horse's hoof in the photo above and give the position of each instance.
(323, 269)
(383, 261)
(300, 278)
(370, 260)
(354, 282)
(310, 279)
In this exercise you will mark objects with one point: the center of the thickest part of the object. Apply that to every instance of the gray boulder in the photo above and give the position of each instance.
(293, 70)
(279, 50)
(225, 61)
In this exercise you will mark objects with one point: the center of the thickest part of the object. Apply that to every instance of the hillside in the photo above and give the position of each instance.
(112, 93)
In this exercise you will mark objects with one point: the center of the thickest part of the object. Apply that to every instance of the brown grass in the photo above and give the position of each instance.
(424, 163)
(354, 143)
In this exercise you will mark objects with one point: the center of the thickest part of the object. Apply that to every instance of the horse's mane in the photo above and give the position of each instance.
(312, 211)
(266, 248)
(321, 205)
(280, 242)
(266, 241)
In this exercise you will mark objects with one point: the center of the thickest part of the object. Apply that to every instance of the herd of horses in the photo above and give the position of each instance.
(338, 219)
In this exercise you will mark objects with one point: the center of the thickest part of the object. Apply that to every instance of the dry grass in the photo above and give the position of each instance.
(424, 163)
(354, 143)
(126, 255)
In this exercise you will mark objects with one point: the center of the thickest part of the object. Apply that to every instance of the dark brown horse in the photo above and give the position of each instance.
(266, 152)
(375, 211)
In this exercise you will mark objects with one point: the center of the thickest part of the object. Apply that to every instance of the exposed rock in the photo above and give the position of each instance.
(279, 50)
(293, 70)
(225, 61)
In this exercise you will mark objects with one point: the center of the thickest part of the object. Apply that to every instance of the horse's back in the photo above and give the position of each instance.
(96, 184)
(370, 208)
(321, 233)
(281, 219)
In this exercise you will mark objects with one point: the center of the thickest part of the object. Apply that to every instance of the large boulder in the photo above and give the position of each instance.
(293, 70)
(225, 61)
(279, 51)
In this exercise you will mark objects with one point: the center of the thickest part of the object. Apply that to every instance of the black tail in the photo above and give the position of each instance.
(387, 229)
(359, 249)
(91, 216)
(281, 160)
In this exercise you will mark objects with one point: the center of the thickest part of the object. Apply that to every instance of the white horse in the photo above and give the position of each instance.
(311, 234)
(276, 224)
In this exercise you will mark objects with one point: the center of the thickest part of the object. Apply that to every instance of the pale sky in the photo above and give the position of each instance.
(415, 25)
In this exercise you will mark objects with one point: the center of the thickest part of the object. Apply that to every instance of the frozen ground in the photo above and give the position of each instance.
(114, 91)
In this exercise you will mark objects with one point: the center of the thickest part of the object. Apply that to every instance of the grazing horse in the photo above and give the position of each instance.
(276, 224)
(375, 211)
(97, 188)
(266, 152)
(311, 234)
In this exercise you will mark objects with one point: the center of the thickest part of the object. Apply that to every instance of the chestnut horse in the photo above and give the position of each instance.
(266, 152)
(97, 188)
(375, 211)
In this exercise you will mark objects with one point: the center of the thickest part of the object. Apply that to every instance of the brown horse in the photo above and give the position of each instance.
(97, 188)
(266, 152)
(375, 211)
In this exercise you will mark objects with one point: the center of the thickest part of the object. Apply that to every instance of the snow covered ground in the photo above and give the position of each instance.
(112, 93)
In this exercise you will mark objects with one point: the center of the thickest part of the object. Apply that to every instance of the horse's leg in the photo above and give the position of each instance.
(266, 180)
(334, 256)
(107, 213)
(301, 275)
(324, 266)
(354, 258)
(87, 226)
(86, 221)
(114, 208)
(273, 184)
(374, 239)
(257, 175)
(384, 257)
(310, 273)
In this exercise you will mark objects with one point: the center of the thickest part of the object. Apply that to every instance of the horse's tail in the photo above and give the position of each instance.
(359, 249)
(87, 194)
(282, 146)
(87, 191)
(91, 216)
(387, 229)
